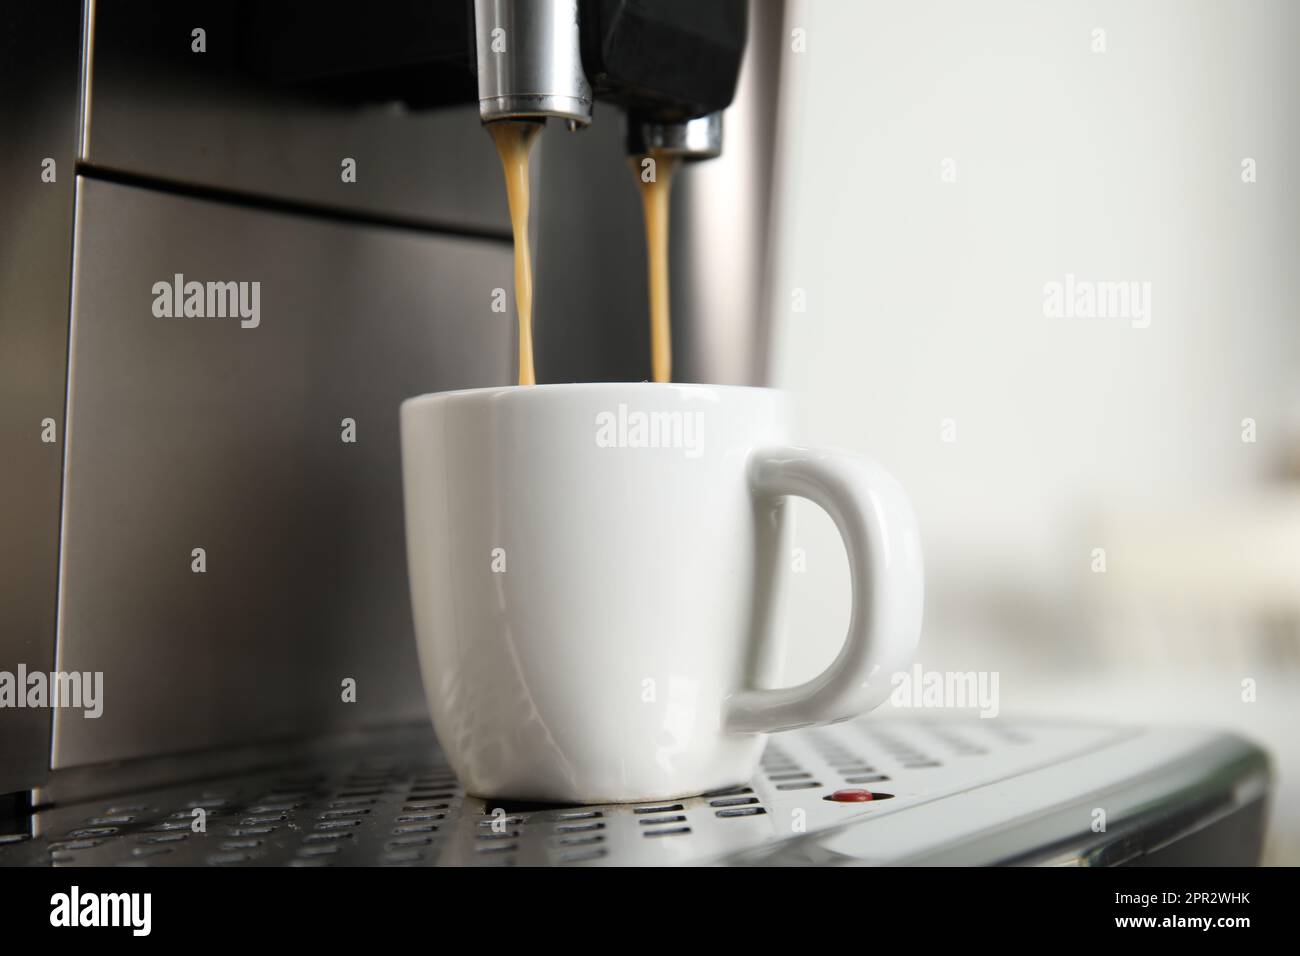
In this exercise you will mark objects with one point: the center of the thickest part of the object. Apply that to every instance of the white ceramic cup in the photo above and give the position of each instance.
(595, 571)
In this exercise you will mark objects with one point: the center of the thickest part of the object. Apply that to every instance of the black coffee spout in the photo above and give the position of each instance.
(664, 60)
(672, 65)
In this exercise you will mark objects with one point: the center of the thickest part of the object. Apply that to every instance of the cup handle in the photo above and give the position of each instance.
(875, 519)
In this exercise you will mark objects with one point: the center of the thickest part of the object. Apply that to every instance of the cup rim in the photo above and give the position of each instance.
(550, 387)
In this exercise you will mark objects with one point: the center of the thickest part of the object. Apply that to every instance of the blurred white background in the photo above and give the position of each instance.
(941, 161)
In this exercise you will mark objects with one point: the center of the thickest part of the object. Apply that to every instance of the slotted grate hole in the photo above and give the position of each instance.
(93, 832)
(667, 831)
(258, 819)
(416, 828)
(418, 817)
(578, 827)
(251, 830)
(337, 824)
(581, 840)
(741, 812)
(501, 822)
(398, 843)
(168, 827)
(343, 814)
(733, 801)
(728, 792)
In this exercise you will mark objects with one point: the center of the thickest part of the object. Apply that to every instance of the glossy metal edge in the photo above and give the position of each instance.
(40, 116)
(1206, 778)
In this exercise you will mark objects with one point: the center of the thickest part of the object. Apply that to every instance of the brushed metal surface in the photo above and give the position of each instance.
(939, 782)
(723, 225)
(157, 109)
(538, 72)
(39, 56)
(192, 433)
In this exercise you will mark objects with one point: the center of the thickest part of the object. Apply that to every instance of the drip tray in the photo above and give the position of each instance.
(403, 807)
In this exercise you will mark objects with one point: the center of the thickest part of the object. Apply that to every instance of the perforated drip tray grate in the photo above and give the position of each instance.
(405, 808)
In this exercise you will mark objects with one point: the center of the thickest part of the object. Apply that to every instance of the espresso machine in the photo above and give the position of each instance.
(206, 509)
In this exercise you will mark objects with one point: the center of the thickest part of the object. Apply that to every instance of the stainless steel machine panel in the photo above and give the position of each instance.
(157, 109)
(189, 433)
(38, 127)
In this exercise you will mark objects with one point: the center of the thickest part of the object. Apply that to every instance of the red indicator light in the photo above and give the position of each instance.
(852, 796)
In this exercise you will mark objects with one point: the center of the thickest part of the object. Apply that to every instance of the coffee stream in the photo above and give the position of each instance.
(655, 175)
(514, 139)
